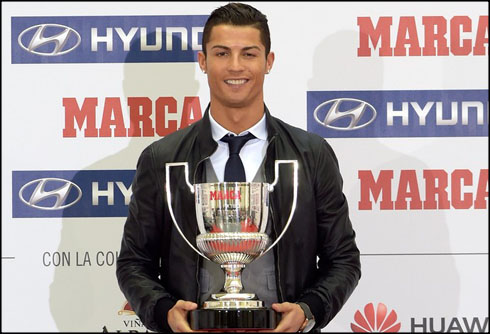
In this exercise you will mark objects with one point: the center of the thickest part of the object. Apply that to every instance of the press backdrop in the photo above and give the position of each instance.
(399, 89)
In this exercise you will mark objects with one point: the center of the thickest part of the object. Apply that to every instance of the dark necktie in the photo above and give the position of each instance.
(234, 170)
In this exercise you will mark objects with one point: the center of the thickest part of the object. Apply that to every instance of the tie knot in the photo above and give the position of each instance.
(235, 143)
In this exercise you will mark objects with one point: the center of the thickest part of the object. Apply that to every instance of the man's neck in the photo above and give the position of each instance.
(239, 119)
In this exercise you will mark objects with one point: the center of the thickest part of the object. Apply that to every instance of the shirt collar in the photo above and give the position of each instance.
(259, 130)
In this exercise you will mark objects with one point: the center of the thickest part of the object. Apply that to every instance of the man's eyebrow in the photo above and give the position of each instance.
(243, 49)
(250, 48)
(220, 47)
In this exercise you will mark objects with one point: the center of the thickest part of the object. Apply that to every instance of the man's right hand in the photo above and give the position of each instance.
(177, 316)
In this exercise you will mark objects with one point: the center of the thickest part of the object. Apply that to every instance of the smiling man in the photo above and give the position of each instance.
(236, 61)
(314, 268)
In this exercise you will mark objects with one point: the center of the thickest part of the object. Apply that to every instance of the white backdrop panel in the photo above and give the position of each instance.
(427, 265)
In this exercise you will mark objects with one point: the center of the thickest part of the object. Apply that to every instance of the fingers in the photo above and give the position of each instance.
(281, 307)
(186, 305)
(177, 316)
(292, 317)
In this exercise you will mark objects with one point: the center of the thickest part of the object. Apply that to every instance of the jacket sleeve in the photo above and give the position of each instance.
(339, 267)
(137, 267)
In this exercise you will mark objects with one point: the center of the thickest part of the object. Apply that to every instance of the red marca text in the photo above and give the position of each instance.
(442, 190)
(441, 36)
(222, 195)
(141, 123)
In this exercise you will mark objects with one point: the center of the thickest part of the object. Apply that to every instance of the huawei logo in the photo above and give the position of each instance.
(378, 321)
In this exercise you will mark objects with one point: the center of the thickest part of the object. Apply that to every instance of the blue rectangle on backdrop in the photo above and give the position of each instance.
(85, 193)
(106, 39)
(400, 113)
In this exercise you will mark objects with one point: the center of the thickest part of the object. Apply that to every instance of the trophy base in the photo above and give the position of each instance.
(234, 319)
(237, 301)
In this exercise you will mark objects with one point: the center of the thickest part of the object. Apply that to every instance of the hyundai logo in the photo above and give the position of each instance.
(345, 108)
(60, 190)
(49, 39)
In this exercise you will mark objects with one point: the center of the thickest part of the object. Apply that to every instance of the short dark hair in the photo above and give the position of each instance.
(238, 14)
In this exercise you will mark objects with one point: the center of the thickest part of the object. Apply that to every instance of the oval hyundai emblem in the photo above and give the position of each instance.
(36, 194)
(345, 114)
(49, 39)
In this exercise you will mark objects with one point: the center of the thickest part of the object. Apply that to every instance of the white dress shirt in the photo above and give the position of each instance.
(252, 153)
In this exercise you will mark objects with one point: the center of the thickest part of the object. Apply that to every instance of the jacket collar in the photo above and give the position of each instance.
(271, 123)
(205, 140)
(206, 144)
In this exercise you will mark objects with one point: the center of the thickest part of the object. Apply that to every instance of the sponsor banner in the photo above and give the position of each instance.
(130, 322)
(106, 39)
(80, 258)
(86, 193)
(398, 113)
(383, 320)
(428, 189)
(430, 36)
(146, 118)
(379, 320)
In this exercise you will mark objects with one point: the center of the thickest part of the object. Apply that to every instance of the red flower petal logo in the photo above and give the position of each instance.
(378, 321)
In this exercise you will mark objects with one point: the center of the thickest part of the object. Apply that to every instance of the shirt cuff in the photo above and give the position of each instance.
(161, 310)
(316, 306)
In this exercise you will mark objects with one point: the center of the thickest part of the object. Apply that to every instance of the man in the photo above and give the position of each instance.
(314, 268)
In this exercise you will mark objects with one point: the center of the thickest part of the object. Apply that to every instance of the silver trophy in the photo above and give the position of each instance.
(232, 220)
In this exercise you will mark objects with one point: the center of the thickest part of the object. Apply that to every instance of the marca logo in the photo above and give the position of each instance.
(457, 35)
(36, 195)
(49, 39)
(106, 39)
(88, 193)
(144, 119)
(378, 321)
(224, 195)
(440, 190)
(417, 113)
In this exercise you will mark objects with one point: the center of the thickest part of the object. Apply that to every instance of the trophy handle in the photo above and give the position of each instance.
(169, 198)
(295, 195)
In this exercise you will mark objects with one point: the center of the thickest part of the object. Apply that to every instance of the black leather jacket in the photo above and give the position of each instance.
(317, 260)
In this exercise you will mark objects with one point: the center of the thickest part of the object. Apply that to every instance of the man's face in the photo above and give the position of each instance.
(235, 65)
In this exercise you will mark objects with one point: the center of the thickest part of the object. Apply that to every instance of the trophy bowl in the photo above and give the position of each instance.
(232, 218)
(225, 247)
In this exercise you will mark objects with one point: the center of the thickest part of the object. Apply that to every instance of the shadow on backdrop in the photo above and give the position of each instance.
(88, 298)
(427, 285)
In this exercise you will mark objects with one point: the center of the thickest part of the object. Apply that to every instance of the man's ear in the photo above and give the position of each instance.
(201, 58)
(269, 61)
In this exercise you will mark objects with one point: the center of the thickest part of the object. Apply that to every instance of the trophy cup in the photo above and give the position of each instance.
(232, 220)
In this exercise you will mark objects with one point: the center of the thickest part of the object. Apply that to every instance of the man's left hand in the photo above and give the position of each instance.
(292, 319)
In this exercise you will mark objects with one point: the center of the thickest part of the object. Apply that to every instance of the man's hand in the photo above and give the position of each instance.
(292, 317)
(177, 316)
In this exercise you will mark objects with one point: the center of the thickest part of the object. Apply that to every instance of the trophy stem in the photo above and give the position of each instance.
(233, 278)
